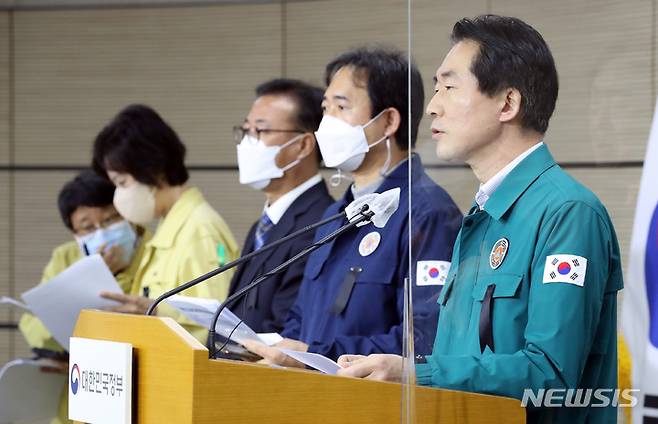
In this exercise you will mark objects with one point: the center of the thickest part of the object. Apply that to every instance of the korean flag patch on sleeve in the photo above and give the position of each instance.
(432, 273)
(569, 269)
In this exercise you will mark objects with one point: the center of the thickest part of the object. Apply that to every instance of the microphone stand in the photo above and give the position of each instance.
(240, 260)
(365, 215)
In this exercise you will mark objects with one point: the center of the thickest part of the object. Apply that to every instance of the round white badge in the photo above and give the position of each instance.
(369, 243)
(498, 253)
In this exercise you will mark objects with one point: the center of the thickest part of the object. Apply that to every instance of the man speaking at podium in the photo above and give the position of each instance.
(531, 298)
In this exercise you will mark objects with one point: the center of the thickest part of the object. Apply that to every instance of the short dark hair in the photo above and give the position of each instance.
(86, 189)
(385, 72)
(139, 142)
(307, 98)
(513, 55)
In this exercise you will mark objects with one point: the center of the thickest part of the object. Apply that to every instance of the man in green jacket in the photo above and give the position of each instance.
(530, 300)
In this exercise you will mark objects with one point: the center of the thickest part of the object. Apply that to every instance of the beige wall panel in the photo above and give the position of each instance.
(239, 205)
(6, 350)
(4, 87)
(104, 3)
(197, 66)
(38, 226)
(319, 30)
(617, 189)
(460, 184)
(7, 314)
(603, 55)
(432, 23)
(13, 345)
(5, 246)
(20, 346)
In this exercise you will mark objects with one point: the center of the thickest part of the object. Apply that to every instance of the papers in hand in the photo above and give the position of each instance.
(58, 302)
(201, 311)
(314, 360)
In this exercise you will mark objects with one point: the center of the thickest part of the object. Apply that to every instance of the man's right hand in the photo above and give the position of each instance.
(272, 355)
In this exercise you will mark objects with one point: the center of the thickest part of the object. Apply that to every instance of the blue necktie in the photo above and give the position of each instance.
(264, 225)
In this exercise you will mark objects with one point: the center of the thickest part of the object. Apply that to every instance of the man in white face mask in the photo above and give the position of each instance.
(277, 154)
(351, 298)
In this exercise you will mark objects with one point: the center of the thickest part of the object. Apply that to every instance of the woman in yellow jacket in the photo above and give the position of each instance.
(144, 158)
(85, 205)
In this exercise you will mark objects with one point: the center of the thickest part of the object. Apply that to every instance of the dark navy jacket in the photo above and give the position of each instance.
(265, 308)
(371, 321)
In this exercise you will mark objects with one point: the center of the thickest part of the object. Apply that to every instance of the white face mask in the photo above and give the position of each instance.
(136, 203)
(344, 146)
(257, 161)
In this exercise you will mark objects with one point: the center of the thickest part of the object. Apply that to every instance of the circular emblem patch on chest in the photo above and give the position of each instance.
(369, 243)
(498, 253)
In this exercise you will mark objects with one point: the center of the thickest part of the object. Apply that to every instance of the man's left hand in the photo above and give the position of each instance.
(373, 367)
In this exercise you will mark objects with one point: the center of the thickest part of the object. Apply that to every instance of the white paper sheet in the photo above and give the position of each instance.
(314, 360)
(201, 311)
(270, 338)
(59, 302)
(27, 393)
(13, 302)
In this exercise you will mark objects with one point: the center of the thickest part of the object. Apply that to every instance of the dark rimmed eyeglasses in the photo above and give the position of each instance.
(89, 228)
(239, 132)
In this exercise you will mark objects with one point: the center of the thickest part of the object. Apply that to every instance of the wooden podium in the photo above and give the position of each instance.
(175, 382)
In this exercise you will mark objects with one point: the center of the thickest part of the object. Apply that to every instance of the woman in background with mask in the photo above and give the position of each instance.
(144, 158)
(85, 205)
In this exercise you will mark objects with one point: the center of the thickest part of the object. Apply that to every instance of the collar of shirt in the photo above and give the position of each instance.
(276, 210)
(179, 213)
(518, 180)
(487, 189)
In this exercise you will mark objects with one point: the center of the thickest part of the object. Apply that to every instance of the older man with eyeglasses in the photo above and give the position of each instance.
(278, 155)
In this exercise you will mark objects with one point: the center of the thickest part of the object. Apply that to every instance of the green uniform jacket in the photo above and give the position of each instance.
(538, 309)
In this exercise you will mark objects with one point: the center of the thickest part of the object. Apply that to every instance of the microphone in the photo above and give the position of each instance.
(352, 210)
(241, 260)
(385, 204)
